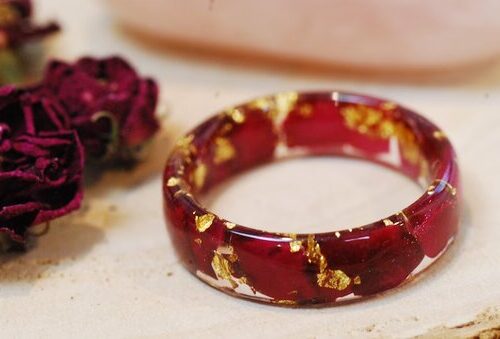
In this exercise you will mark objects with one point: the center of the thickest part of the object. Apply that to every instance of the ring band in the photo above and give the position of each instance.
(302, 269)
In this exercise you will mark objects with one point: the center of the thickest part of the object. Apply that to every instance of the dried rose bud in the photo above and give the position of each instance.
(16, 25)
(109, 104)
(41, 161)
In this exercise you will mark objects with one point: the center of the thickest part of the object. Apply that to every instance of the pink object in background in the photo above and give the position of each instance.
(366, 34)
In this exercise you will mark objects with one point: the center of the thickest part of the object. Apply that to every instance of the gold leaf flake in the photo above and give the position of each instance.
(357, 280)
(263, 104)
(229, 225)
(306, 110)
(388, 222)
(285, 102)
(203, 222)
(295, 246)
(223, 270)
(389, 106)
(198, 241)
(199, 175)
(173, 181)
(334, 279)
(236, 114)
(314, 255)
(439, 135)
(224, 150)
(285, 302)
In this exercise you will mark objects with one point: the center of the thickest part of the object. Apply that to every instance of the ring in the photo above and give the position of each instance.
(322, 268)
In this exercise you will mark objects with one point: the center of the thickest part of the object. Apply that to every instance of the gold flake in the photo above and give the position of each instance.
(334, 279)
(173, 181)
(314, 255)
(388, 222)
(199, 175)
(185, 145)
(223, 270)
(185, 141)
(285, 302)
(203, 222)
(357, 280)
(379, 124)
(236, 114)
(295, 246)
(233, 257)
(306, 110)
(285, 102)
(389, 106)
(224, 150)
(198, 241)
(387, 129)
(229, 225)
(263, 104)
(439, 135)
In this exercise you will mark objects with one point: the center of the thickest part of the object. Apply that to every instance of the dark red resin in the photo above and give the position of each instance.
(298, 269)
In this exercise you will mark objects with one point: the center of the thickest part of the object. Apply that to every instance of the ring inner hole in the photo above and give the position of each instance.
(312, 194)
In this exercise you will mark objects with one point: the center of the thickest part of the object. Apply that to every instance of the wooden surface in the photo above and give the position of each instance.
(109, 270)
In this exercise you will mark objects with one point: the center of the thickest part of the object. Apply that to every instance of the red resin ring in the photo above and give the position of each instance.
(301, 269)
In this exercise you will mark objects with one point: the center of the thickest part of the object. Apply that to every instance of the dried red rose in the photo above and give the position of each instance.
(109, 104)
(16, 25)
(41, 161)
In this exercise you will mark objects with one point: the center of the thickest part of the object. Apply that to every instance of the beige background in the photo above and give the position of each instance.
(109, 270)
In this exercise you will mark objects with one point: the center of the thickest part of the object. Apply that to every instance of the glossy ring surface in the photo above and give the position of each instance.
(302, 269)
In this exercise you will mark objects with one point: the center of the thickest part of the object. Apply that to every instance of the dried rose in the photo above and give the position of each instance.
(16, 25)
(109, 104)
(41, 161)
(16, 28)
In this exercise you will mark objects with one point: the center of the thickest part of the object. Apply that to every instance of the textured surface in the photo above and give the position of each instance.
(109, 271)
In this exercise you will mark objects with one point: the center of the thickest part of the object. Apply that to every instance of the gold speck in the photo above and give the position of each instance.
(203, 222)
(222, 269)
(285, 302)
(314, 255)
(295, 246)
(439, 135)
(173, 181)
(334, 279)
(285, 102)
(198, 241)
(388, 106)
(233, 257)
(357, 280)
(185, 141)
(263, 104)
(230, 225)
(224, 150)
(199, 175)
(306, 110)
(388, 222)
(237, 116)
(337, 234)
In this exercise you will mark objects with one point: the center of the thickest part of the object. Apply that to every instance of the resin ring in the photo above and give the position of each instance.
(301, 269)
